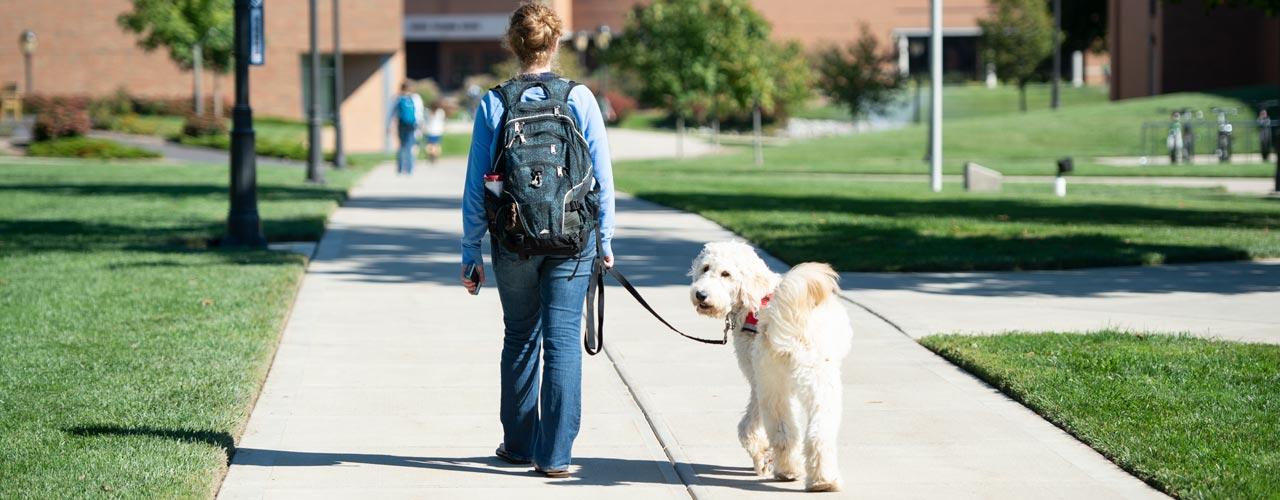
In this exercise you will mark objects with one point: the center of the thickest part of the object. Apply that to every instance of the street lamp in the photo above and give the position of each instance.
(244, 226)
(603, 36)
(27, 43)
(339, 153)
(315, 174)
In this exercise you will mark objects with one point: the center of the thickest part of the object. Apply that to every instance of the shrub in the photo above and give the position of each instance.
(132, 123)
(62, 117)
(86, 147)
(859, 76)
(104, 111)
(621, 104)
(202, 125)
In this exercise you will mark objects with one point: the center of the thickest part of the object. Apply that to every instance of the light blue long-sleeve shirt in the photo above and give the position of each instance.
(484, 144)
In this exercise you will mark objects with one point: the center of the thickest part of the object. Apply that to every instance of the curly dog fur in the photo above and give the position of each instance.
(803, 335)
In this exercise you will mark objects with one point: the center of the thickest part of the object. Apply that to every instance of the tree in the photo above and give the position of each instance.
(859, 75)
(696, 57)
(1017, 37)
(195, 32)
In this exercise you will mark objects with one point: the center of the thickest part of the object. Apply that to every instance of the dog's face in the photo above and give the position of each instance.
(726, 275)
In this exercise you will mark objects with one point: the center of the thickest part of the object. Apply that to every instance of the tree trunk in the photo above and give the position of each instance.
(1022, 96)
(680, 137)
(755, 125)
(197, 59)
(217, 94)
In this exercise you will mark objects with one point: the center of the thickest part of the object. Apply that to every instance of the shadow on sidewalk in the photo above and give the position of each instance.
(594, 471)
(386, 254)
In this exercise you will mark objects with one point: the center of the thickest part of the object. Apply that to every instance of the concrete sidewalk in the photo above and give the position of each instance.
(386, 384)
(1229, 300)
(386, 381)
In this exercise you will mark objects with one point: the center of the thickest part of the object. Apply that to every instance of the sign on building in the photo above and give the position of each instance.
(257, 40)
(427, 28)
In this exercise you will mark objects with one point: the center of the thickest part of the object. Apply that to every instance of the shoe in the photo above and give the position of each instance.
(508, 457)
(552, 473)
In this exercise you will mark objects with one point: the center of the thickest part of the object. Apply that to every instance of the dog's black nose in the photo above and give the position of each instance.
(700, 295)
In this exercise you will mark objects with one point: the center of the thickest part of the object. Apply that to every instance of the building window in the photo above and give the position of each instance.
(327, 103)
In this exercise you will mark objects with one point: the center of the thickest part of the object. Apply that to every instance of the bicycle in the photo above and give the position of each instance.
(1223, 150)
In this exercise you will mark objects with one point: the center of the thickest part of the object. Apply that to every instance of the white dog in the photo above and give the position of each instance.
(800, 338)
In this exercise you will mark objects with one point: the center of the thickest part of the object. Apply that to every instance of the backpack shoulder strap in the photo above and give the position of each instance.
(510, 92)
(560, 88)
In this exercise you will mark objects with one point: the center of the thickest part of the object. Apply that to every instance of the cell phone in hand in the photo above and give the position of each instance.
(473, 274)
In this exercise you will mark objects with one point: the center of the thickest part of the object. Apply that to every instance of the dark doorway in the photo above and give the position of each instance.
(422, 60)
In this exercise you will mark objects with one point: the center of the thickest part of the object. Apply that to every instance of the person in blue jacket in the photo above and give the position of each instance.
(542, 296)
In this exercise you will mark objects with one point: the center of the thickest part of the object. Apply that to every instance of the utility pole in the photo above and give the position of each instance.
(935, 86)
(315, 173)
(1057, 51)
(244, 227)
(339, 155)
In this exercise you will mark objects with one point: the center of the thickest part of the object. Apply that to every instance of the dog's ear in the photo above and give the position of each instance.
(697, 263)
(757, 282)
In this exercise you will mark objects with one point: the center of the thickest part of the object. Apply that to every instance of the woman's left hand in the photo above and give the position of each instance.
(608, 262)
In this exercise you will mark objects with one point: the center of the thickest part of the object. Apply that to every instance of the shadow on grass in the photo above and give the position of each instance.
(886, 242)
(979, 209)
(265, 193)
(219, 439)
(69, 235)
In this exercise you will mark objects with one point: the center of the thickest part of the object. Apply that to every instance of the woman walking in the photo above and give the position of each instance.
(542, 296)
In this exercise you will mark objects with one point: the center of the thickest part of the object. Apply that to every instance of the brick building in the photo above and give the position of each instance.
(82, 50)
(1159, 47)
(447, 40)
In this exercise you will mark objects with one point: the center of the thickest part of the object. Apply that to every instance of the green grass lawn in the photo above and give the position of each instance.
(1195, 418)
(971, 100)
(131, 351)
(858, 225)
(1004, 142)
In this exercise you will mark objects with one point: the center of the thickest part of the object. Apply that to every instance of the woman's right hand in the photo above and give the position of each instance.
(472, 285)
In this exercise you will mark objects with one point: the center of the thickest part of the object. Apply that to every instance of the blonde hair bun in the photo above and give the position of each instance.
(534, 33)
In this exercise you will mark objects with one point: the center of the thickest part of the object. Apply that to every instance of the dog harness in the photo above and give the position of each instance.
(749, 325)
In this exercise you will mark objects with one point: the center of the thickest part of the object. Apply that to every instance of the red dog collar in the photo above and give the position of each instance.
(750, 324)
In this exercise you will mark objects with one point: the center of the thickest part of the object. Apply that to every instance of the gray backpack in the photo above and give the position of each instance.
(549, 199)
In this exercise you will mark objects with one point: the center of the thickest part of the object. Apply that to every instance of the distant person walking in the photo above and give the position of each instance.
(435, 130)
(407, 113)
(542, 294)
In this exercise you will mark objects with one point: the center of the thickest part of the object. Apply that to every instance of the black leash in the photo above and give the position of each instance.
(594, 340)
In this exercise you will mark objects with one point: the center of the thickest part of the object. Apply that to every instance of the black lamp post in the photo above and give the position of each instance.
(27, 43)
(603, 36)
(244, 227)
(917, 49)
(1057, 52)
(315, 174)
(339, 155)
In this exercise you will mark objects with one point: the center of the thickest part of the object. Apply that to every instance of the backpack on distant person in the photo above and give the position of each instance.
(548, 200)
(407, 112)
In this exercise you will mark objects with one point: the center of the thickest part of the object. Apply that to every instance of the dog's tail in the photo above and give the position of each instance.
(801, 290)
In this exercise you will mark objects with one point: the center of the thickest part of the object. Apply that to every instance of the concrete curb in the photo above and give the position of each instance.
(675, 454)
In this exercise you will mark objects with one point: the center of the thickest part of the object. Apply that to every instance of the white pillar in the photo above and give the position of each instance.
(935, 86)
(1077, 69)
(904, 56)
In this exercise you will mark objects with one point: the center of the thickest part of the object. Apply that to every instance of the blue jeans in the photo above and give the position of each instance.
(404, 156)
(542, 310)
